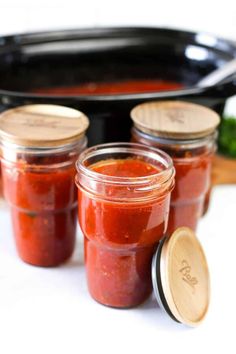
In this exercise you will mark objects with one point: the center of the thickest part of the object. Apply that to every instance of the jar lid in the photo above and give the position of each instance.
(180, 277)
(42, 125)
(175, 119)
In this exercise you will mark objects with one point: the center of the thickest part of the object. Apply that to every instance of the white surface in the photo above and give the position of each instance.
(217, 17)
(50, 310)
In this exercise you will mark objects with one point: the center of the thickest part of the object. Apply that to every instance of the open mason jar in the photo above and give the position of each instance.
(187, 132)
(40, 144)
(124, 194)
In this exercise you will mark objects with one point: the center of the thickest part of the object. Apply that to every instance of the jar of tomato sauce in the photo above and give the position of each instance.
(187, 132)
(123, 193)
(40, 144)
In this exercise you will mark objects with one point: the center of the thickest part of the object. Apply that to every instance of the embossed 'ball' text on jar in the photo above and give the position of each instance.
(187, 132)
(124, 193)
(40, 144)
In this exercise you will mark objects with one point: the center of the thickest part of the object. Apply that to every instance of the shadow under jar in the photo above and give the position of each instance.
(124, 193)
(40, 144)
(187, 132)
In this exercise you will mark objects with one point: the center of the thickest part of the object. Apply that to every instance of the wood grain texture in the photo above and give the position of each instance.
(223, 170)
(185, 277)
(175, 119)
(42, 125)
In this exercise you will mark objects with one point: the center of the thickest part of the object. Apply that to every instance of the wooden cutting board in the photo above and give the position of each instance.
(223, 170)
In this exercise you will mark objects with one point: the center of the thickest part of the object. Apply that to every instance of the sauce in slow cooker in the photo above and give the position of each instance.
(109, 88)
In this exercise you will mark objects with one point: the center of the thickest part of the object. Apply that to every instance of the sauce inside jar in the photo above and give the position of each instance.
(192, 181)
(43, 209)
(124, 168)
(121, 235)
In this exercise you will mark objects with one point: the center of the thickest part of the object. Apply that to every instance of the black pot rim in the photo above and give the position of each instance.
(221, 45)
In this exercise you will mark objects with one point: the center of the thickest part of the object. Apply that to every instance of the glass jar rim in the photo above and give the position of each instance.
(44, 150)
(119, 147)
(182, 144)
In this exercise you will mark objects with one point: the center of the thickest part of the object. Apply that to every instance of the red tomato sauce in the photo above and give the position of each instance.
(121, 237)
(110, 88)
(125, 168)
(192, 181)
(44, 211)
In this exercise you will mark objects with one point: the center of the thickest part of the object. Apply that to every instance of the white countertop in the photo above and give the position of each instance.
(204, 16)
(49, 310)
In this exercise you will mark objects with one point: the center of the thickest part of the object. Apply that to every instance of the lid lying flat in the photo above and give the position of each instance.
(175, 119)
(42, 125)
(181, 278)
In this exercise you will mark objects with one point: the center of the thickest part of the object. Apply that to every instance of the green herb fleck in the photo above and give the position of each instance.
(227, 136)
(31, 214)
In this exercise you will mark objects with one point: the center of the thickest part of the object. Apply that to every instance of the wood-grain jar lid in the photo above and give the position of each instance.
(180, 277)
(42, 125)
(175, 119)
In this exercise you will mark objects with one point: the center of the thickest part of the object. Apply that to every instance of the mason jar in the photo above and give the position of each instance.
(40, 144)
(187, 132)
(123, 193)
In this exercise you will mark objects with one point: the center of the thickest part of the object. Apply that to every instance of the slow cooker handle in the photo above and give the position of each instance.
(226, 89)
(219, 75)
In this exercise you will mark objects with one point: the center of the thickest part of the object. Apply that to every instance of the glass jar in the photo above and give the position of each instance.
(190, 146)
(124, 193)
(40, 144)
